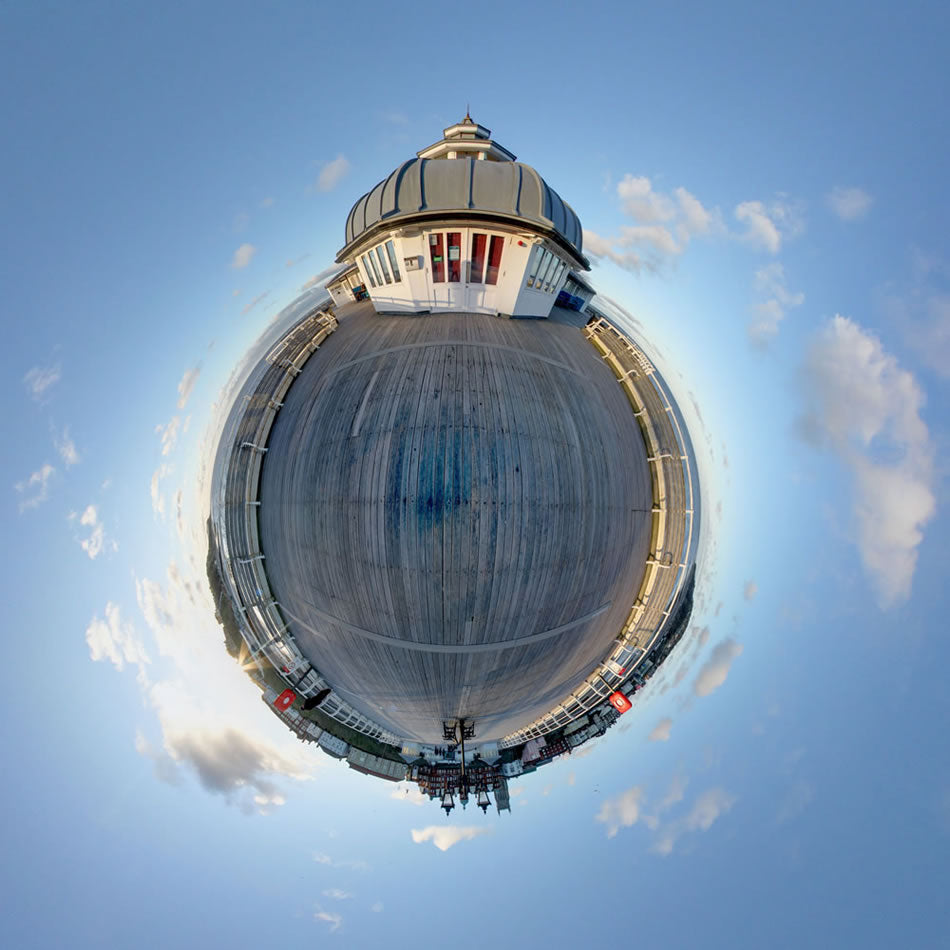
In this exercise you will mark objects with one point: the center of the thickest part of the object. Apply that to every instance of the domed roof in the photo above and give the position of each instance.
(423, 187)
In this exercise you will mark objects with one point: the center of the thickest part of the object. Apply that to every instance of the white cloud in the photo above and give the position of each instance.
(242, 256)
(155, 491)
(337, 894)
(849, 204)
(445, 836)
(662, 229)
(760, 228)
(750, 590)
(769, 283)
(168, 434)
(673, 797)
(641, 202)
(332, 173)
(713, 672)
(187, 384)
(796, 800)
(706, 810)
(598, 247)
(266, 203)
(353, 864)
(409, 792)
(115, 640)
(40, 379)
(334, 920)
(623, 811)
(94, 543)
(377, 908)
(35, 488)
(661, 731)
(867, 409)
(66, 448)
(766, 226)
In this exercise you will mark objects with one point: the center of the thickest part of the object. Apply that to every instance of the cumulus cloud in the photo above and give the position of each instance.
(713, 672)
(335, 921)
(661, 731)
(623, 811)
(849, 204)
(231, 763)
(95, 542)
(337, 894)
(662, 229)
(187, 384)
(674, 796)
(115, 640)
(35, 489)
(377, 908)
(168, 434)
(765, 226)
(332, 173)
(706, 810)
(445, 836)
(321, 857)
(867, 410)
(796, 800)
(66, 448)
(750, 590)
(40, 379)
(599, 248)
(242, 256)
(155, 490)
(775, 301)
(409, 792)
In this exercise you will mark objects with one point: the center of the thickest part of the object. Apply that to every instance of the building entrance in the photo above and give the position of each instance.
(464, 269)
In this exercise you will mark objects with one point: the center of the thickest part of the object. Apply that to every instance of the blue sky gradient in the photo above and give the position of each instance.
(764, 191)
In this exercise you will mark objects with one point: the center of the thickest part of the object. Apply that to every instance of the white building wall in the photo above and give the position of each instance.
(416, 292)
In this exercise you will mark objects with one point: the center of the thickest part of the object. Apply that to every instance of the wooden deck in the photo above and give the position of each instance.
(456, 513)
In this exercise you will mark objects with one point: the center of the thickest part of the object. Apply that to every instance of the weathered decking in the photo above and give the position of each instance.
(456, 513)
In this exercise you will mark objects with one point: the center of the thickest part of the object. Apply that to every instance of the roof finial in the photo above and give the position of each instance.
(468, 117)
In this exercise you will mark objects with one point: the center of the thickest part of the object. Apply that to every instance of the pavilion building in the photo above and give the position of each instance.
(461, 228)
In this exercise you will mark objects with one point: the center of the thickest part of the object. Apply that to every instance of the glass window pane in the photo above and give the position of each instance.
(536, 257)
(478, 257)
(372, 264)
(367, 271)
(391, 251)
(438, 261)
(546, 280)
(382, 264)
(556, 279)
(494, 259)
(543, 269)
(455, 256)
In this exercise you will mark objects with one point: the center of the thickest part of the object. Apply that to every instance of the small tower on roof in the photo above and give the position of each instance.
(468, 139)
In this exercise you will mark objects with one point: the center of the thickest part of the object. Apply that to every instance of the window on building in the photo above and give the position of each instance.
(556, 279)
(544, 258)
(544, 277)
(383, 266)
(438, 262)
(455, 256)
(391, 251)
(372, 264)
(537, 256)
(367, 271)
(477, 266)
(494, 259)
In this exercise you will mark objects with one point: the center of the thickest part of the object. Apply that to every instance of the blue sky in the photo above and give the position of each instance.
(763, 190)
